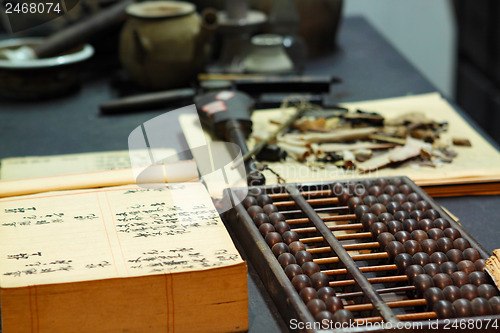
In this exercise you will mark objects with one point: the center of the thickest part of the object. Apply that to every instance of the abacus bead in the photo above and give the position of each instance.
(385, 217)
(401, 216)
(422, 282)
(382, 182)
(385, 238)
(260, 219)
(444, 309)
(479, 264)
(408, 206)
(279, 248)
(361, 210)
(471, 254)
(423, 205)
(343, 316)
(375, 190)
(426, 225)
(254, 210)
(414, 197)
(276, 217)
(290, 236)
(354, 202)
(377, 209)
(296, 247)
(302, 257)
(272, 238)
(269, 209)
(413, 271)
(324, 317)
(249, 201)
(487, 291)
(292, 270)
(286, 259)
(393, 207)
(377, 228)
(461, 244)
(452, 293)
(466, 266)
(432, 269)
(469, 291)
(478, 278)
(368, 219)
(370, 200)
(455, 255)
(448, 267)
(481, 307)
(429, 246)
(391, 190)
(495, 304)
(432, 295)
(436, 234)
(320, 280)
(417, 215)
(412, 246)
(255, 191)
(438, 257)
(396, 182)
(301, 281)
(315, 306)
(344, 197)
(333, 304)
(441, 223)
(442, 280)
(281, 227)
(402, 236)
(460, 278)
(463, 308)
(325, 292)
(399, 198)
(384, 198)
(444, 244)
(266, 228)
(393, 249)
(310, 268)
(403, 261)
(432, 214)
(419, 235)
(394, 226)
(452, 233)
(404, 188)
(421, 258)
(264, 199)
(410, 225)
(307, 294)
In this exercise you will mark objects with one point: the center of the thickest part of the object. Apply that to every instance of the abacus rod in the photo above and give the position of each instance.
(320, 201)
(350, 226)
(364, 269)
(318, 239)
(379, 291)
(381, 279)
(318, 210)
(305, 194)
(356, 257)
(347, 247)
(391, 304)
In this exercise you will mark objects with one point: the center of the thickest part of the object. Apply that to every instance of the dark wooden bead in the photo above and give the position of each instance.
(422, 282)
(423, 205)
(343, 316)
(249, 201)
(469, 291)
(405, 189)
(394, 226)
(495, 304)
(296, 247)
(455, 255)
(414, 197)
(315, 306)
(324, 317)
(353, 203)
(393, 207)
(279, 248)
(344, 197)
(281, 227)
(461, 244)
(269, 209)
(479, 264)
(333, 304)
(402, 236)
(417, 215)
(463, 308)
(396, 182)
(439, 257)
(375, 190)
(449, 267)
(402, 215)
(272, 238)
(307, 294)
(466, 266)
(292, 270)
(399, 198)
(413, 271)
(412, 247)
(255, 191)
(264, 199)
(432, 295)
(410, 225)
(368, 219)
(429, 246)
(266, 228)
(478, 278)
(426, 225)
(419, 235)
(481, 307)
(302, 257)
(385, 217)
(310, 267)
(445, 244)
(391, 190)
(286, 259)
(325, 292)
(370, 200)
(436, 233)
(451, 293)
(260, 219)
(431, 214)
(301, 281)
(254, 210)
(361, 210)
(408, 206)
(452, 233)
(403, 261)
(444, 309)
(382, 182)
(290, 237)
(471, 254)
(432, 269)
(487, 290)
(441, 223)
(276, 217)
(393, 249)
(442, 280)
(377, 209)
(377, 228)
(460, 278)
(320, 280)
(421, 258)
(385, 238)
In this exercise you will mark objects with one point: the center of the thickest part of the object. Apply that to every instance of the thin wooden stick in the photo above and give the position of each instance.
(312, 202)
(381, 279)
(357, 257)
(391, 304)
(320, 193)
(364, 269)
(350, 226)
(346, 217)
(379, 291)
(347, 247)
(318, 239)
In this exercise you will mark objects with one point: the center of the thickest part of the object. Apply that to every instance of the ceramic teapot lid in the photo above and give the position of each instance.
(160, 9)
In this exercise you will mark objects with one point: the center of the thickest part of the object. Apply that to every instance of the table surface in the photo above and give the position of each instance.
(370, 68)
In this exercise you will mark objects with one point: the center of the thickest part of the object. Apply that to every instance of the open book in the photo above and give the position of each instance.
(119, 259)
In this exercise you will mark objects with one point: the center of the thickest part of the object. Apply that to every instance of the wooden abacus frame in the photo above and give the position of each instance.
(281, 290)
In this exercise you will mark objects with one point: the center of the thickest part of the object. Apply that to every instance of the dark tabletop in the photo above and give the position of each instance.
(368, 65)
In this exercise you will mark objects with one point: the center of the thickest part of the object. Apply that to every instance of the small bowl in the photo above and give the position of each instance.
(40, 78)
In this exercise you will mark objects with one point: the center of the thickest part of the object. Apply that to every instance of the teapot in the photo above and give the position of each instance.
(163, 44)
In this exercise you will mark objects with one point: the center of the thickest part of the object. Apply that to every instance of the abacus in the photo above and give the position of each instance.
(365, 252)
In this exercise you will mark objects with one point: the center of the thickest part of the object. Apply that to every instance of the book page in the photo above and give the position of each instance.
(113, 232)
